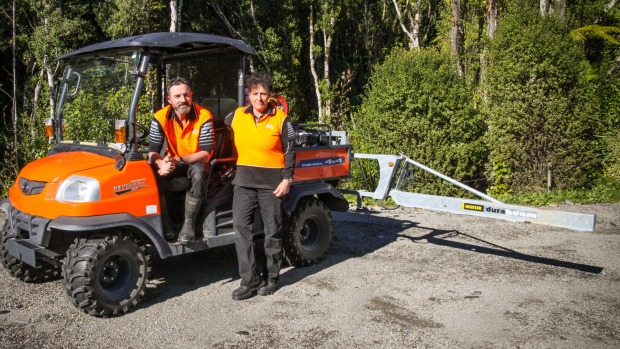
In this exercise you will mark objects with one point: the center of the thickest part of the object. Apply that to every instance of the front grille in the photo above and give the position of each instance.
(27, 226)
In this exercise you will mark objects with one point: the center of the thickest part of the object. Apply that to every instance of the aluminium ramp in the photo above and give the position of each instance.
(489, 207)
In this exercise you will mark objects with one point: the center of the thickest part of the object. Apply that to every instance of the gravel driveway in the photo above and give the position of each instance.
(401, 278)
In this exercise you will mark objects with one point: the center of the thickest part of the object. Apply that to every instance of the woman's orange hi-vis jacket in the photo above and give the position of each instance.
(264, 147)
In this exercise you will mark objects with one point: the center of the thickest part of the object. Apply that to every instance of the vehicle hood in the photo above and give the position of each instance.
(57, 167)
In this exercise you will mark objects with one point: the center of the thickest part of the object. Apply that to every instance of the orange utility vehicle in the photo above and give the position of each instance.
(90, 209)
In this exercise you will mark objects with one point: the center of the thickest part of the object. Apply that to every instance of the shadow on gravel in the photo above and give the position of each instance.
(175, 276)
(178, 275)
(440, 237)
(391, 229)
(355, 235)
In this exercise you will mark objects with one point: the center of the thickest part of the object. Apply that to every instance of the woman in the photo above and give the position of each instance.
(264, 137)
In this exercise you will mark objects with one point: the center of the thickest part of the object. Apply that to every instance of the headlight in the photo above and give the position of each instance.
(79, 189)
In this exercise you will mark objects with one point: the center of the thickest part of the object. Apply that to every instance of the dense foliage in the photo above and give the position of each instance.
(492, 92)
(419, 105)
(612, 161)
(541, 107)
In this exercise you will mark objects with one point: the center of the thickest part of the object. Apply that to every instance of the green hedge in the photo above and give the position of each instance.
(542, 109)
(417, 104)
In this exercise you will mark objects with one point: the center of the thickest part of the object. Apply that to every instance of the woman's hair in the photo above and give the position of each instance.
(258, 79)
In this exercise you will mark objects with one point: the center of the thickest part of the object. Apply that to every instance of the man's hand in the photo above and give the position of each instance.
(167, 165)
(282, 188)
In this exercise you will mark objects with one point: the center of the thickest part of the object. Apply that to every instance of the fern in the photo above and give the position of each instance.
(595, 31)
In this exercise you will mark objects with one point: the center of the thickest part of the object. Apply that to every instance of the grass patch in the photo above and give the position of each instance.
(604, 191)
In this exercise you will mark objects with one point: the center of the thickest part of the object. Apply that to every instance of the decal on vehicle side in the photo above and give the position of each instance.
(129, 187)
(321, 162)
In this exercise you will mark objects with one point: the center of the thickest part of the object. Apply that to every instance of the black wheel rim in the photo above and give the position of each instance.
(311, 233)
(118, 276)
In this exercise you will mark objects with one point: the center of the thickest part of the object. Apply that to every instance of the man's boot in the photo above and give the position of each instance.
(187, 233)
(169, 233)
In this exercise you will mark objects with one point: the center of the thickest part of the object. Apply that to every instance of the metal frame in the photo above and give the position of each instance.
(489, 207)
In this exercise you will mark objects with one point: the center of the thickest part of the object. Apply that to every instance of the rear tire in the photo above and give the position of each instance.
(19, 269)
(309, 233)
(105, 277)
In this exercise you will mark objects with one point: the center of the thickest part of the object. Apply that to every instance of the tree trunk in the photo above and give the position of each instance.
(456, 34)
(176, 7)
(37, 92)
(179, 14)
(50, 83)
(492, 13)
(544, 7)
(416, 30)
(491, 22)
(242, 34)
(261, 58)
(14, 34)
(413, 32)
(233, 31)
(327, 39)
(614, 66)
(606, 10)
(611, 5)
(315, 76)
(173, 16)
(47, 72)
(560, 8)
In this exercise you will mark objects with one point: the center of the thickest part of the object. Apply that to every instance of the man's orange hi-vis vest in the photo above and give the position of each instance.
(182, 140)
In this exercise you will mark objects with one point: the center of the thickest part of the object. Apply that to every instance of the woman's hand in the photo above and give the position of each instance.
(282, 188)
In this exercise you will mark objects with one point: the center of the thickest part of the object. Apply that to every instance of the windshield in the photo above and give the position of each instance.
(96, 91)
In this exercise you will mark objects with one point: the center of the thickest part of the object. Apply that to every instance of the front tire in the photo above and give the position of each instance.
(19, 269)
(308, 234)
(105, 277)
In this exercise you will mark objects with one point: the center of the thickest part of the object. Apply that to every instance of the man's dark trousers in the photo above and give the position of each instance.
(196, 172)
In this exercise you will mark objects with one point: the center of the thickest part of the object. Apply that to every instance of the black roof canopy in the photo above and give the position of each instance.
(167, 41)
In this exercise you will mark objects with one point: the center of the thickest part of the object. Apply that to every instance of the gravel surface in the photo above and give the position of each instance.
(402, 278)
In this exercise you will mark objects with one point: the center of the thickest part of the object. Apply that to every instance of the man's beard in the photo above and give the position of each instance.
(183, 109)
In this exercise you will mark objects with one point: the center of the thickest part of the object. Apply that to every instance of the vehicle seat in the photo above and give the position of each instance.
(224, 146)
